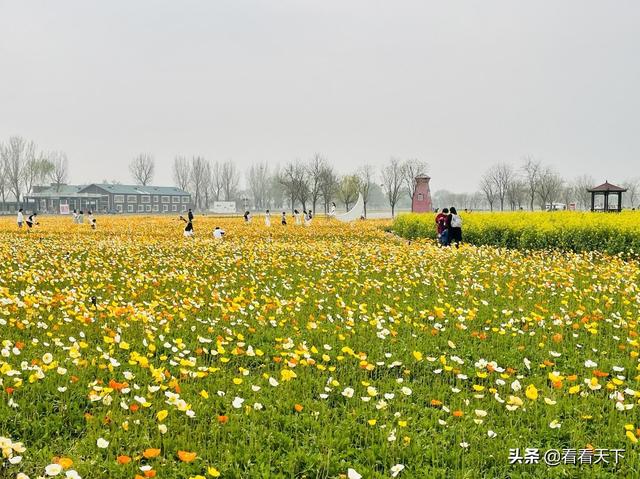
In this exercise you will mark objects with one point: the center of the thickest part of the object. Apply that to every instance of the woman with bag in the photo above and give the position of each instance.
(455, 227)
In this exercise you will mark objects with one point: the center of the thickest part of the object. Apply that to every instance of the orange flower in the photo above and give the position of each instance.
(458, 413)
(557, 338)
(600, 374)
(113, 384)
(134, 407)
(65, 462)
(124, 459)
(436, 402)
(151, 453)
(150, 473)
(186, 456)
(298, 407)
(223, 419)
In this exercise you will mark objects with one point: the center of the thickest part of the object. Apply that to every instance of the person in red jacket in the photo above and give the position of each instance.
(441, 226)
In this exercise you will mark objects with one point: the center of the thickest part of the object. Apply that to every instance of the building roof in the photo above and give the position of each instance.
(606, 187)
(423, 176)
(139, 190)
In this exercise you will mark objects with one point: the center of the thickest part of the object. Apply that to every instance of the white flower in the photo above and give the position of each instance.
(395, 470)
(102, 443)
(555, 424)
(257, 406)
(162, 428)
(480, 412)
(73, 474)
(491, 434)
(53, 469)
(273, 381)
(47, 358)
(516, 386)
(590, 364)
(15, 459)
(406, 391)
(464, 445)
(353, 474)
(348, 392)
(237, 402)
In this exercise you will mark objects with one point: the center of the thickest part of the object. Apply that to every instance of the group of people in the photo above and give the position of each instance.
(449, 227)
(78, 218)
(298, 218)
(31, 220)
(218, 233)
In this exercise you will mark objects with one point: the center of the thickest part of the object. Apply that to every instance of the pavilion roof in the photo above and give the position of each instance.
(606, 187)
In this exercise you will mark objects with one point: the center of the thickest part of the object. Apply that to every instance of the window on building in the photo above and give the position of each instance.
(118, 198)
(156, 208)
(140, 208)
(148, 208)
(146, 198)
(130, 208)
(420, 197)
(175, 199)
(165, 208)
(156, 198)
(165, 199)
(119, 208)
(174, 207)
(185, 199)
(132, 199)
(184, 208)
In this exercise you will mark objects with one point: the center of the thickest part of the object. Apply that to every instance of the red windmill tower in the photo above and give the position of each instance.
(421, 202)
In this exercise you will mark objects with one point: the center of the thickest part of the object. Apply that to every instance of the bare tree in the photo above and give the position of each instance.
(142, 168)
(502, 175)
(531, 170)
(516, 194)
(229, 178)
(293, 179)
(349, 188)
(315, 169)
(258, 178)
(410, 169)
(329, 184)
(392, 179)
(17, 153)
(197, 180)
(216, 181)
(35, 171)
(488, 188)
(365, 176)
(549, 187)
(633, 189)
(581, 185)
(181, 172)
(59, 168)
(4, 176)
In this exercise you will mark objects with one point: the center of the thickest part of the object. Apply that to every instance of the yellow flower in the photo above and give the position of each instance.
(531, 392)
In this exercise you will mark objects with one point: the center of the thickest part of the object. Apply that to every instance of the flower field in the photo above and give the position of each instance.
(330, 351)
(564, 230)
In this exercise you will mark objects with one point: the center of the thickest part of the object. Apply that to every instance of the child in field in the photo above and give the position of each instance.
(218, 233)
(267, 218)
(247, 217)
(20, 218)
(308, 217)
(283, 219)
(92, 220)
(31, 220)
(188, 229)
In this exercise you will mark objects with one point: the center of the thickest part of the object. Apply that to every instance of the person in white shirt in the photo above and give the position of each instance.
(332, 210)
(20, 218)
(218, 233)
(267, 218)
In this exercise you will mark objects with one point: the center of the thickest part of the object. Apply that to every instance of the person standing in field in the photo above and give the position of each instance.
(296, 216)
(283, 219)
(441, 226)
(332, 210)
(190, 215)
(20, 218)
(267, 218)
(455, 227)
(74, 216)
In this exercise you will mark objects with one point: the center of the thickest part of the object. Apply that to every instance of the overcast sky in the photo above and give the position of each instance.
(459, 84)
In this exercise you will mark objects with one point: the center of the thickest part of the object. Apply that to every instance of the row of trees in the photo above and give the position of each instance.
(308, 184)
(23, 166)
(533, 184)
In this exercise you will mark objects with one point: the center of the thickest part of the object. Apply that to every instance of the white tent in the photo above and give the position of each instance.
(354, 213)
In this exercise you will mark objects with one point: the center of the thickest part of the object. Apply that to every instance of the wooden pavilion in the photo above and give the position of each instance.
(606, 190)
